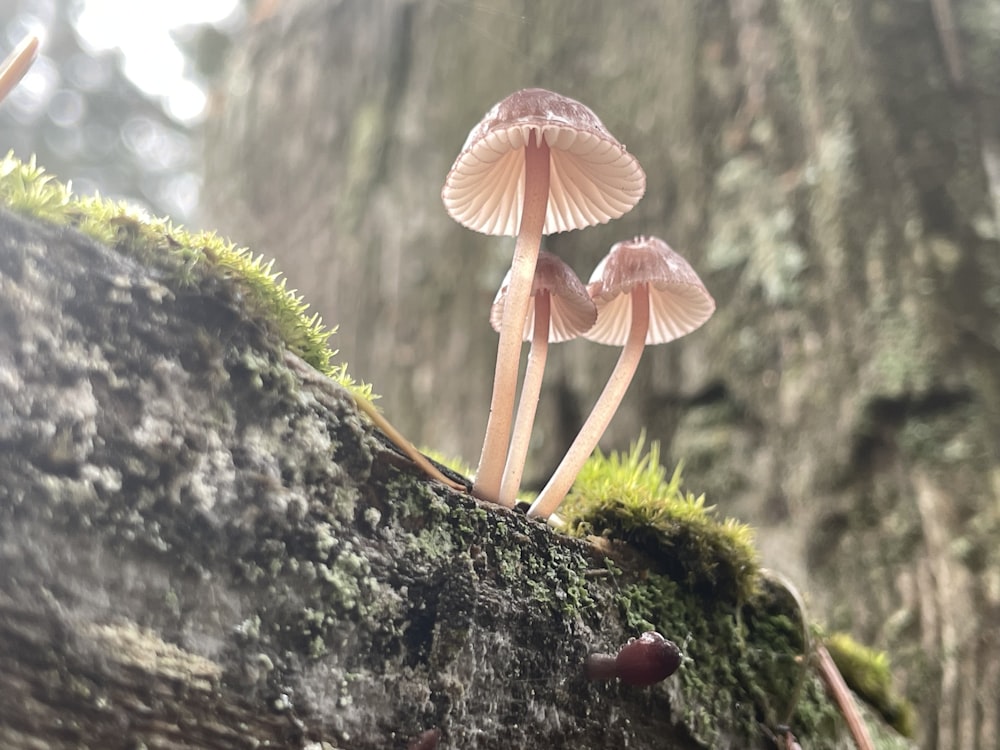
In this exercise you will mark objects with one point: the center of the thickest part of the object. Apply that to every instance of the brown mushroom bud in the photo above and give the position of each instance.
(641, 662)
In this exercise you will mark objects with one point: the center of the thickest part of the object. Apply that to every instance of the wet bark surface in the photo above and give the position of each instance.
(829, 168)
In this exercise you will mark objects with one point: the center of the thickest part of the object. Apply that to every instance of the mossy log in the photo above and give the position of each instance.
(204, 544)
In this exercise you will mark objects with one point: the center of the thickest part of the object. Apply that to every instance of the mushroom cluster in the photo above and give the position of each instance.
(537, 164)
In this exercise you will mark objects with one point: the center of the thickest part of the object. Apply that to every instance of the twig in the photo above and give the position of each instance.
(405, 445)
(842, 695)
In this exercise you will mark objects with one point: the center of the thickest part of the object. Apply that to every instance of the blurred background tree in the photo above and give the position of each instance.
(116, 99)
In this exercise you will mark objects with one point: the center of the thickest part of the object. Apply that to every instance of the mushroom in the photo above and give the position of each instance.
(16, 64)
(641, 662)
(538, 163)
(559, 310)
(645, 294)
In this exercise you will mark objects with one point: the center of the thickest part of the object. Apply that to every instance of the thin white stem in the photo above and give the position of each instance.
(529, 237)
(607, 404)
(528, 403)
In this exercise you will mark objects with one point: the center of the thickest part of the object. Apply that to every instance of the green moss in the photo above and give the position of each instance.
(190, 258)
(627, 496)
(867, 672)
(744, 667)
(743, 633)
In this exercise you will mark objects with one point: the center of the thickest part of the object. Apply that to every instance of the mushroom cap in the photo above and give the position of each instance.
(646, 660)
(592, 178)
(571, 310)
(678, 300)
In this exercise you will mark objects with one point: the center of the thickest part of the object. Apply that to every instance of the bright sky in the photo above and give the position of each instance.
(152, 59)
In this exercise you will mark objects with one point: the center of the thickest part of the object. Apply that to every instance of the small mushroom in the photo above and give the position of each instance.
(641, 662)
(538, 163)
(559, 310)
(645, 294)
(16, 64)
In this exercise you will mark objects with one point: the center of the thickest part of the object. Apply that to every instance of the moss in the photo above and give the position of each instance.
(867, 672)
(744, 667)
(188, 258)
(434, 542)
(744, 635)
(626, 496)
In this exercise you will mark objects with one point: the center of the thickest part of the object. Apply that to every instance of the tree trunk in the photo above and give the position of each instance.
(831, 168)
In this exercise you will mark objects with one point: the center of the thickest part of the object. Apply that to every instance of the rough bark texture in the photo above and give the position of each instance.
(204, 545)
(830, 167)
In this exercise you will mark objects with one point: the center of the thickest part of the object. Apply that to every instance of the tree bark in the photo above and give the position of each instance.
(830, 167)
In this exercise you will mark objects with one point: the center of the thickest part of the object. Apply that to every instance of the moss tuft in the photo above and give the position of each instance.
(189, 257)
(867, 672)
(627, 496)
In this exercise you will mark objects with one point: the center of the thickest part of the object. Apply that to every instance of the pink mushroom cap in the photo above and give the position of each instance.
(593, 178)
(678, 300)
(572, 312)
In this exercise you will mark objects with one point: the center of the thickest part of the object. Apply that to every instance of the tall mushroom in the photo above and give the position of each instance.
(645, 294)
(537, 163)
(559, 310)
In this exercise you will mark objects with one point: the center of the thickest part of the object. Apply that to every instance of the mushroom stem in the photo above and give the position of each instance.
(528, 403)
(600, 667)
(529, 238)
(607, 404)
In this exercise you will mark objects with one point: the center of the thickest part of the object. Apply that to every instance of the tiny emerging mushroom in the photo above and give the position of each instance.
(641, 662)
(646, 293)
(538, 163)
(560, 309)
